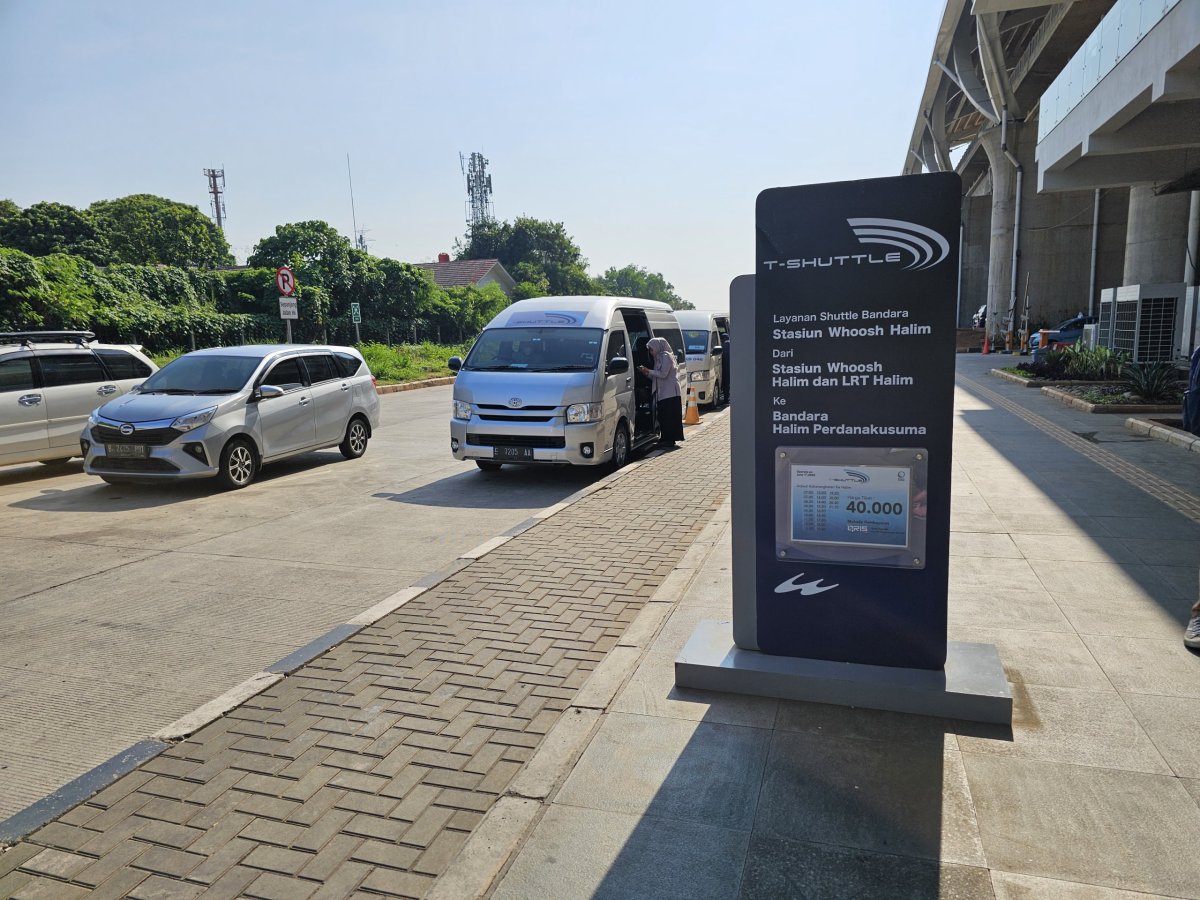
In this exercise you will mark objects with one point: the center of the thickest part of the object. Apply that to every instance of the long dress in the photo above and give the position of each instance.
(666, 392)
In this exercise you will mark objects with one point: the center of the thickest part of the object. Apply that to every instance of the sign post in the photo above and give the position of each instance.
(285, 280)
(356, 318)
(841, 458)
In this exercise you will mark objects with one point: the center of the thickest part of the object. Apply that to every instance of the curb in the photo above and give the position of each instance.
(1110, 408)
(1166, 433)
(92, 782)
(412, 385)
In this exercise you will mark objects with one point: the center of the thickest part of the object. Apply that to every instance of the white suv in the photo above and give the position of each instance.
(50, 381)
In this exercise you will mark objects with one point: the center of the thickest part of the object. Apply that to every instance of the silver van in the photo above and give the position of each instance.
(704, 338)
(226, 411)
(555, 380)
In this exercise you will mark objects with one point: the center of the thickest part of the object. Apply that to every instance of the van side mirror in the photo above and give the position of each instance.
(617, 365)
(680, 356)
(454, 363)
(718, 350)
(267, 391)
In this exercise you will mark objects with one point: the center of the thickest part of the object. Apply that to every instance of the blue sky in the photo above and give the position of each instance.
(647, 130)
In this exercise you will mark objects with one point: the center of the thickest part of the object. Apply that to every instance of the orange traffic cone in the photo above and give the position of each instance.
(692, 416)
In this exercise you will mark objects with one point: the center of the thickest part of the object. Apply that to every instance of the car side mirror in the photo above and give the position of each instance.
(680, 356)
(617, 365)
(267, 391)
(718, 350)
(454, 363)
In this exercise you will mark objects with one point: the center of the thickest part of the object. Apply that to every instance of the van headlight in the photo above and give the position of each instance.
(577, 413)
(194, 420)
(462, 410)
(699, 376)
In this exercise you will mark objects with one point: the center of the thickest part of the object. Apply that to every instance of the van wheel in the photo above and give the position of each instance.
(354, 444)
(718, 395)
(488, 465)
(239, 464)
(56, 462)
(620, 454)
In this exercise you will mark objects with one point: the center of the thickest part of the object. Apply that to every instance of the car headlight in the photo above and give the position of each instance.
(584, 412)
(702, 375)
(462, 410)
(194, 420)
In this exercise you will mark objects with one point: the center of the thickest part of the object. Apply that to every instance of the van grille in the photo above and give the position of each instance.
(517, 440)
(495, 418)
(507, 408)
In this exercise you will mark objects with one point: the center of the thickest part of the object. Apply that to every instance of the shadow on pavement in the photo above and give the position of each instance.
(513, 487)
(829, 802)
(99, 496)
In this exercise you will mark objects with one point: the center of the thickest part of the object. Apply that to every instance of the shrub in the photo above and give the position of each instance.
(1152, 380)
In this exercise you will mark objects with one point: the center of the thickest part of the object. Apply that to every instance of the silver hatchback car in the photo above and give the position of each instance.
(225, 412)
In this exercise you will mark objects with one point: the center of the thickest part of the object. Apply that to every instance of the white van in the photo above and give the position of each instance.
(555, 380)
(704, 338)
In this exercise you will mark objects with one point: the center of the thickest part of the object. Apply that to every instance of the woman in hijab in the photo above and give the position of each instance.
(666, 390)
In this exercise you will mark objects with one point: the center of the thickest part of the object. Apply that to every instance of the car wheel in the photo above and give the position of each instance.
(239, 464)
(488, 465)
(354, 444)
(56, 462)
(620, 454)
(113, 479)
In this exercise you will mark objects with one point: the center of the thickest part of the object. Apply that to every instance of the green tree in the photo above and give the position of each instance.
(636, 281)
(144, 229)
(534, 250)
(318, 254)
(8, 209)
(24, 294)
(46, 228)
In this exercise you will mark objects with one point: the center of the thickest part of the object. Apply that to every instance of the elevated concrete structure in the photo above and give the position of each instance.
(1056, 115)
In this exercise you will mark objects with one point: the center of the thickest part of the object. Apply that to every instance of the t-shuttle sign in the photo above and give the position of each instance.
(845, 532)
(841, 439)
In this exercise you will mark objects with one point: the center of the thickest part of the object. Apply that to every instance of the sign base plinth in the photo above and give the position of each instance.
(972, 686)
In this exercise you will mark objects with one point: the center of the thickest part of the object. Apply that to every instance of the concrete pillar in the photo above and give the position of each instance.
(1004, 195)
(1156, 237)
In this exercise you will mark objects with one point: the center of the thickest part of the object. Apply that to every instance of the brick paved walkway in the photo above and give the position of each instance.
(366, 770)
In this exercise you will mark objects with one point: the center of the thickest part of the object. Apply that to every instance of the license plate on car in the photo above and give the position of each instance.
(512, 453)
(127, 451)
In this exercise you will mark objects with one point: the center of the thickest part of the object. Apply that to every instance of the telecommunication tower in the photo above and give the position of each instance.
(479, 189)
(216, 186)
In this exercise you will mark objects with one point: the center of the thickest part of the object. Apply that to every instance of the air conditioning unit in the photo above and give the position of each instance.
(1145, 321)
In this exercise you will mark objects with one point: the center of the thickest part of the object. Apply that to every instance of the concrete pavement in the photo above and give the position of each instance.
(516, 729)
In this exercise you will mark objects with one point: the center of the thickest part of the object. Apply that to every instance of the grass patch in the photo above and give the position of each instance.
(389, 365)
(1020, 373)
(410, 362)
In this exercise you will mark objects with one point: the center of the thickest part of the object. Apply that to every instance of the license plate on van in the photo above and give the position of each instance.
(512, 453)
(126, 451)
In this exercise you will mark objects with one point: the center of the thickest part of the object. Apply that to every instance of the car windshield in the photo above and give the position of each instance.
(201, 374)
(695, 341)
(1073, 322)
(535, 350)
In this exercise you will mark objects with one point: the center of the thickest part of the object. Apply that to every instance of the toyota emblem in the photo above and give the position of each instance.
(516, 403)
(126, 429)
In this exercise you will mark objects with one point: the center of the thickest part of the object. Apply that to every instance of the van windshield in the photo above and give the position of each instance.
(535, 350)
(695, 341)
(201, 374)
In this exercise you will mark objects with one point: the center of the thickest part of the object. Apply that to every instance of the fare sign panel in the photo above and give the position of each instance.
(842, 526)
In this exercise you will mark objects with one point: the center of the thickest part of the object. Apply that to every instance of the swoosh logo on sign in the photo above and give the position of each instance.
(806, 589)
